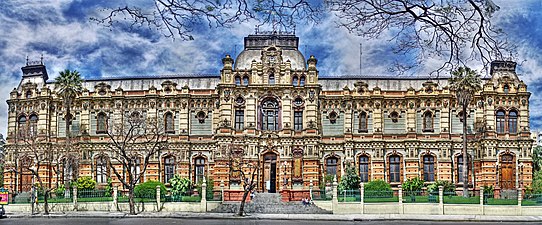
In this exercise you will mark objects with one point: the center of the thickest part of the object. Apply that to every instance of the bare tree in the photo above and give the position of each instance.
(244, 171)
(133, 140)
(454, 31)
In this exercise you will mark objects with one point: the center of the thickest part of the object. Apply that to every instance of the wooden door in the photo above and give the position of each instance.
(26, 182)
(270, 173)
(507, 172)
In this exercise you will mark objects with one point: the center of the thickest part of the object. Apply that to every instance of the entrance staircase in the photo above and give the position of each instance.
(270, 203)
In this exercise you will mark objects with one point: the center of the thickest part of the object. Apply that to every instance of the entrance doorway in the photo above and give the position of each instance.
(270, 173)
(507, 172)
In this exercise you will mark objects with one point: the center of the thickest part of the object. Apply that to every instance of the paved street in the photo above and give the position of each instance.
(136, 221)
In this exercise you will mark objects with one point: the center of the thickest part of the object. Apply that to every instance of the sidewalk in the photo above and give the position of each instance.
(327, 217)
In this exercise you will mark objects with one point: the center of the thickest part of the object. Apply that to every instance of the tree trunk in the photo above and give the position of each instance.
(242, 206)
(465, 156)
(131, 200)
(46, 203)
(66, 151)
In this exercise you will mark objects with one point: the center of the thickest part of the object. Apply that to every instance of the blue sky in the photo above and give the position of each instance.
(62, 32)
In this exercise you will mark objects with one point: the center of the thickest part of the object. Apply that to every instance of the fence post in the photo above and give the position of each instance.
(361, 196)
(520, 199)
(335, 199)
(158, 208)
(204, 195)
(441, 199)
(115, 198)
(222, 190)
(75, 197)
(311, 186)
(482, 200)
(401, 211)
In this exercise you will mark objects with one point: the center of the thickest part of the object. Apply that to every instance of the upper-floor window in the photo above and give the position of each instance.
(331, 166)
(239, 119)
(295, 81)
(363, 122)
(270, 114)
(298, 120)
(168, 120)
(22, 126)
(364, 168)
(460, 177)
(169, 168)
(506, 89)
(245, 80)
(428, 122)
(28, 94)
(102, 123)
(500, 117)
(302, 81)
(428, 168)
(33, 126)
(513, 122)
(237, 80)
(271, 79)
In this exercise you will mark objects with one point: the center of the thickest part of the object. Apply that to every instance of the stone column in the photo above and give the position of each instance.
(75, 197)
(222, 190)
(361, 196)
(481, 200)
(401, 211)
(158, 208)
(204, 195)
(335, 199)
(520, 199)
(115, 198)
(441, 200)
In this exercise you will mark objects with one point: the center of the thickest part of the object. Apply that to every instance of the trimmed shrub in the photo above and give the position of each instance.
(85, 183)
(148, 189)
(413, 185)
(377, 185)
(447, 186)
(180, 185)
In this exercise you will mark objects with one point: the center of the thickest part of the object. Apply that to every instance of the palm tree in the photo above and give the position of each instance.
(68, 86)
(465, 82)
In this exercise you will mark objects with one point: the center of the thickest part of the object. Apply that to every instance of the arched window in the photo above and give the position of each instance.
(169, 123)
(28, 94)
(500, 121)
(333, 117)
(271, 79)
(394, 116)
(169, 168)
(395, 168)
(331, 166)
(102, 123)
(295, 81)
(513, 122)
(22, 126)
(270, 114)
(101, 170)
(245, 80)
(33, 126)
(237, 80)
(506, 89)
(428, 168)
(200, 169)
(364, 168)
(460, 168)
(428, 122)
(302, 81)
(363, 122)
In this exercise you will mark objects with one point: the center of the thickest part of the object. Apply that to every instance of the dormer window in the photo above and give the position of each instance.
(506, 89)
(428, 122)
(245, 81)
(237, 80)
(302, 81)
(28, 94)
(271, 79)
(295, 81)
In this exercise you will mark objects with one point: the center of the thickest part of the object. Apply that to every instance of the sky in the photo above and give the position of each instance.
(62, 32)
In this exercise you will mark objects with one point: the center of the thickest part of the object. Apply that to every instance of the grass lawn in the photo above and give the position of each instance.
(374, 200)
(461, 200)
(493, 201)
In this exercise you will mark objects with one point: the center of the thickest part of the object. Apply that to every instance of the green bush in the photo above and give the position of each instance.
(447, 186)
(109, 188)
(148, 189)
(180, 185)
(350, 180)
(59, 191)
(377, 185)
(489, 190)
(86, 183)
(413, 185)
(208, 189)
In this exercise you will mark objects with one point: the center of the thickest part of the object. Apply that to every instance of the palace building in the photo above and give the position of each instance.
(272, 105)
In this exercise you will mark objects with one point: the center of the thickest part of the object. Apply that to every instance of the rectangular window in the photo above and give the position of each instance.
(101, 171)
(239, 119)
(429, 168)
(298, 120)
(364, 169)
(395, 169)
(460, 169)
(169, 168)
(331, 166)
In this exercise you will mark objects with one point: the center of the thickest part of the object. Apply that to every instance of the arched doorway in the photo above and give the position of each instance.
(270, 172)
(507, 174)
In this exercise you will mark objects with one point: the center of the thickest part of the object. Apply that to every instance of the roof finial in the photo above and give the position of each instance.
(27, 60)
(41, 59)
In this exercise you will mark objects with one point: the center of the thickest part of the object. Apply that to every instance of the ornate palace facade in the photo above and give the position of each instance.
(271, 105)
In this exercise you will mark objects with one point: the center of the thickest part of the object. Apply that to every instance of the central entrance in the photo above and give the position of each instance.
(270, 173)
